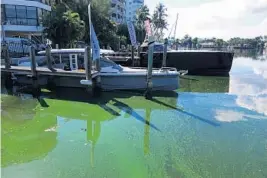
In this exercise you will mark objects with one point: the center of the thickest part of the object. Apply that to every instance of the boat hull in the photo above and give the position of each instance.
(196, 62)
(110, 81)
(139, 82)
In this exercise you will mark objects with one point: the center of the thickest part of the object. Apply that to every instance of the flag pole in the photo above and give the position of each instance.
(90, 31)
(87, 55)
(96, 80)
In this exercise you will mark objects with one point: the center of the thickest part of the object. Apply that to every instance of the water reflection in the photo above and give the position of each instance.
(24, 111)
(204, 84)
(124, 135)
(249, 86)
(251, 53)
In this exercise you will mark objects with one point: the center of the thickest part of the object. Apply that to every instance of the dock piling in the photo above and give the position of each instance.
(6, 55)
(36, 90)
(97, 82)
(87, 64)
(33, 61)
(48, 55)
(132, 56)
(151, 41)
(165, 52)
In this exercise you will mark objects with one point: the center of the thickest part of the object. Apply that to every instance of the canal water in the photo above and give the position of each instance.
(211, 127)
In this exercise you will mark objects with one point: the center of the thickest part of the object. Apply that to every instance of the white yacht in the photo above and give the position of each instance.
(114, 76)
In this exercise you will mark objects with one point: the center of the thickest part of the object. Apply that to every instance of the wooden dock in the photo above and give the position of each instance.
(49, 77)
(24, 70)
(46, 78)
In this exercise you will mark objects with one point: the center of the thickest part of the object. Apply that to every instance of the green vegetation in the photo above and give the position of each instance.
(68, 23)
(64, 25)
(159, 20)
(242, 43)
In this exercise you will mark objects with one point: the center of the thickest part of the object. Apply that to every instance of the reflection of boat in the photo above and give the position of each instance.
(24, 135)
(114, 76)
(195, 61)
(204, 84)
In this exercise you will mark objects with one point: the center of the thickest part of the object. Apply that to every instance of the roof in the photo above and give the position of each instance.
(73, 50)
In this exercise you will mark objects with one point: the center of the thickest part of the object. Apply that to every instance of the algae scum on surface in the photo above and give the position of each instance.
(211, 127)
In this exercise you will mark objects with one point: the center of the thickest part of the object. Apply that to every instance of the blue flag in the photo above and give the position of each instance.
(132, 33)
(94, 44)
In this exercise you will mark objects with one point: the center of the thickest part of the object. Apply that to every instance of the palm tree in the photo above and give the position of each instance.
(159, 20)
(64, 26)
(142, 14)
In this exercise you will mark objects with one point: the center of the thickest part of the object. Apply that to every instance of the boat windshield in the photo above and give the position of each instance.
(104, 62)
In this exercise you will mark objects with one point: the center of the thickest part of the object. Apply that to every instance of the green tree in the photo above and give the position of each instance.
(159, 20)
(64, 26)
(142, 14)
(219, 43)
(186, 40)
(123, 31)
(195, 42)
(104, 28)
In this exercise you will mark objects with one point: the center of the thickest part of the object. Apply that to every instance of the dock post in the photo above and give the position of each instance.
(6, 55)
(151, 41)
(33, 61)
(132, 56)
(165, 52)
(87, 64)
(97, 81)
(138, 55)
(35, 87)
(48, 55)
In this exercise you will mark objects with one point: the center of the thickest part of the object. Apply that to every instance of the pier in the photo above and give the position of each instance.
(49, 77)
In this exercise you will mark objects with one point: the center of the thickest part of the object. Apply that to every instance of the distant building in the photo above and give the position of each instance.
(117, 11)
(131, 7)
(23, 17)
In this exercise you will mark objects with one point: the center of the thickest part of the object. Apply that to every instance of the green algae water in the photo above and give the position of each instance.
(211, 127)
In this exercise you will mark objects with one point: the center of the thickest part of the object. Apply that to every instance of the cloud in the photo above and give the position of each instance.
(234, 116)
(228, 116)
(254, 103)
(225, 18)
(251, 90)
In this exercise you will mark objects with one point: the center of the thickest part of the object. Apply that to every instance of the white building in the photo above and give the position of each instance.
(131, 7)
(117, 11)
(23, 17)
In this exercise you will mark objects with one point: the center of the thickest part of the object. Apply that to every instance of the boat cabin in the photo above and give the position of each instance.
(73, 59)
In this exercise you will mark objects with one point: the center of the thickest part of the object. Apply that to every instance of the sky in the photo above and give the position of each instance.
(215, 18)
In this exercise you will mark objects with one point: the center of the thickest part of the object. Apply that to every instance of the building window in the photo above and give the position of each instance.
(32, 16)
(32, 12)
(21, 15)
(21, 11)
(40, 15)
(10, 11)
(3, 14)
(113, 5)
